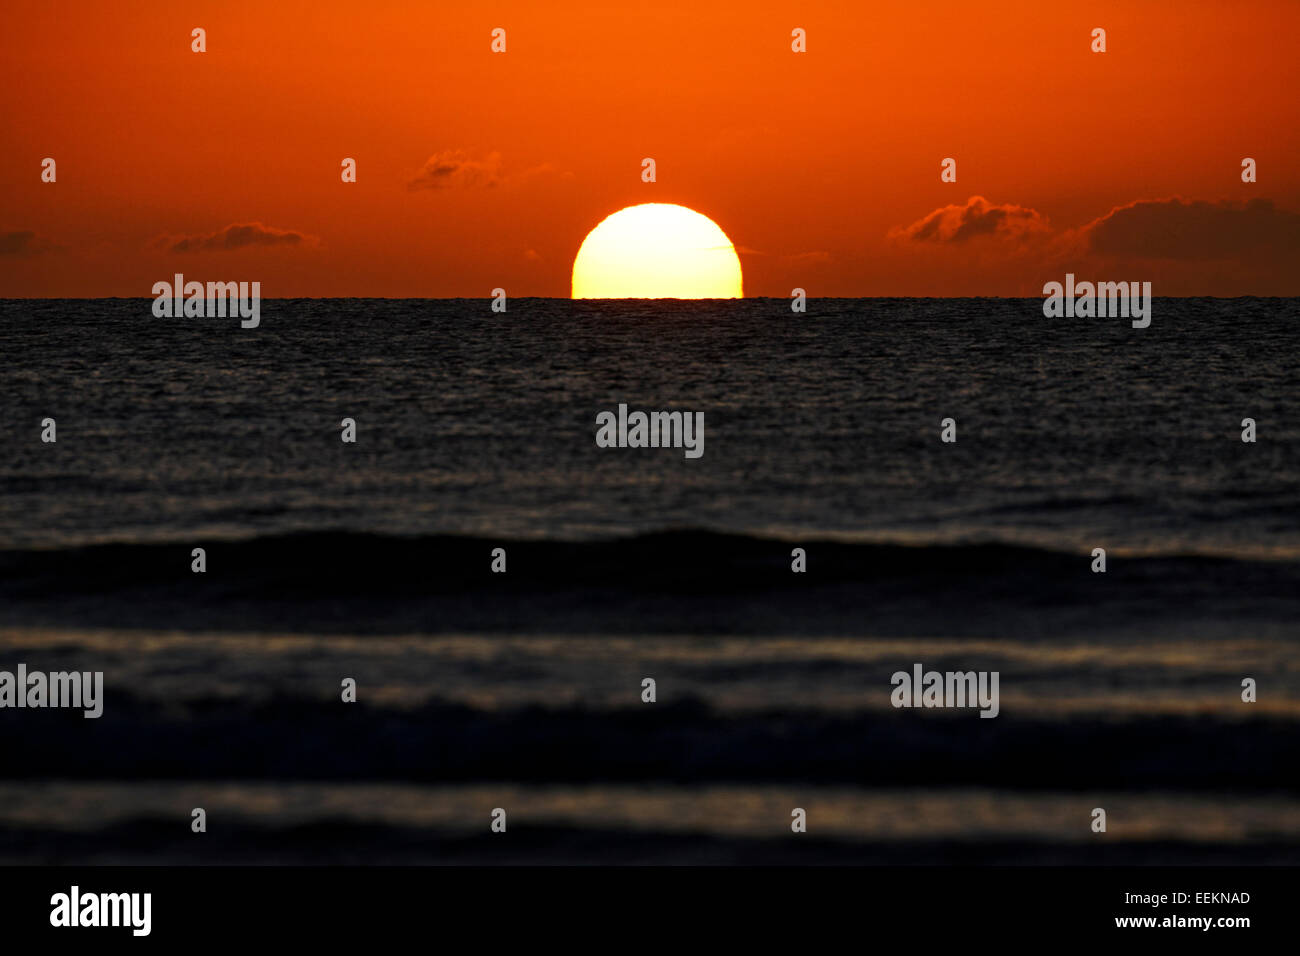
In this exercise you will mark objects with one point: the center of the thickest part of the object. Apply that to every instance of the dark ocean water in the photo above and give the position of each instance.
(1071, 433)
(476, 430)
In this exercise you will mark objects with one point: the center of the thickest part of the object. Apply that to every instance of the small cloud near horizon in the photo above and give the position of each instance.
(24, 242)
(976, 218)
(455, 169)
(817, 255)
(240, 235)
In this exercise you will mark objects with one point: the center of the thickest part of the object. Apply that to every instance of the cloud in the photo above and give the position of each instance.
(1190, 246)
(1192, 230)
(1175, 229)
(817, 255)
(238, 235)
(23, 242)
(454, 169)
(977, 218)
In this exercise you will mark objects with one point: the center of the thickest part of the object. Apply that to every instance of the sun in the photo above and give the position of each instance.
(657, 251)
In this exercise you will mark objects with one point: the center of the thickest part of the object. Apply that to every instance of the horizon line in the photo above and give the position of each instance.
(557, 298)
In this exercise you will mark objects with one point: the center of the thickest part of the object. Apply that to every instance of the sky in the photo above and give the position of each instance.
(478, 170)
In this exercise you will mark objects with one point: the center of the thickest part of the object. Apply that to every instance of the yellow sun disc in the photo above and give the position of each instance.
(657, 251)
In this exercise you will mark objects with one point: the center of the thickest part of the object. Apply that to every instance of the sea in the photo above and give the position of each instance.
(1164, 690)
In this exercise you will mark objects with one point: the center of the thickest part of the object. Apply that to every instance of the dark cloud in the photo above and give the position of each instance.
(238, 235)
(453, 168)
(978, 217)
(1197, 230)
(23, 242)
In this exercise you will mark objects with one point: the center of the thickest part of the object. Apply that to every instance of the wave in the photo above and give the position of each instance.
(152, 842)
(299, 738)
(685, 581)
(847, 552)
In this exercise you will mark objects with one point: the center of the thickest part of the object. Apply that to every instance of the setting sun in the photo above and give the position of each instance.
(657, 251)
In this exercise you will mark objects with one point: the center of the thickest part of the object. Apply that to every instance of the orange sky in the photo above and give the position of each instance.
(821, 167)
